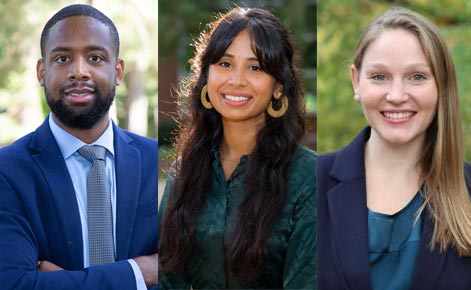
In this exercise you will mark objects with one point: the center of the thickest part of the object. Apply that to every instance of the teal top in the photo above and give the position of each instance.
(291, 245)
(394, 244)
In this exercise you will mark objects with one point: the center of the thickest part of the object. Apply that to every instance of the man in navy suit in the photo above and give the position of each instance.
(44, 239)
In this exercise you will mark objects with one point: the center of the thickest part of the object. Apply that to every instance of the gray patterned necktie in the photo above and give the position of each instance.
(99, 216)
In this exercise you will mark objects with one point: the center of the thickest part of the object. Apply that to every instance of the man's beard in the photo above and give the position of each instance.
(81, 117)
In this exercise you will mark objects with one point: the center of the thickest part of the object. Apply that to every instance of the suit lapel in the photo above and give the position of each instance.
(128, 167)
(429, 263)
(348, 212)
(49, 159)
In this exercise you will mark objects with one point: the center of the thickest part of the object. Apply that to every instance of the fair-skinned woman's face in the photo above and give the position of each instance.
(237, 86)
(396, 88)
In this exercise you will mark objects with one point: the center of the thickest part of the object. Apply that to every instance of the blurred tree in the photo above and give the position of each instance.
(21, 113)
(137, 24)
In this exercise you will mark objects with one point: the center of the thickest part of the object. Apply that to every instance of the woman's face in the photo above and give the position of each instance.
(396, 88)
(237, 87)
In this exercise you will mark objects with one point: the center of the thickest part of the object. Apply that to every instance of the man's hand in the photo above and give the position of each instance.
(46, 266)
(149, 266)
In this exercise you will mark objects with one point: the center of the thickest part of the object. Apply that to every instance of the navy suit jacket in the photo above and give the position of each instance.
(39, 216)
(342, 224)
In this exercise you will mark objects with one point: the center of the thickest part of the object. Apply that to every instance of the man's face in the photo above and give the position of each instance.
(79, 71)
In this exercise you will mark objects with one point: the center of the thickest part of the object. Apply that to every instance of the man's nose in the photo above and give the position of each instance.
(79, 70)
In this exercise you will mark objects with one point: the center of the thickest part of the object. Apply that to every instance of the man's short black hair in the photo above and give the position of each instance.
(80, 10)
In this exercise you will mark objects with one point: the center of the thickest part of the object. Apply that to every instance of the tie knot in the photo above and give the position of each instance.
(92, 152)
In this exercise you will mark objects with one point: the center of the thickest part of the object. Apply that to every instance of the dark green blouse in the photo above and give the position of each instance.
(291, 245)
(394, 245)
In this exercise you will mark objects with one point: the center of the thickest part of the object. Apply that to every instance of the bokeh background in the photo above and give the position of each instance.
(180, 22)
(22, 102)
(340, 23)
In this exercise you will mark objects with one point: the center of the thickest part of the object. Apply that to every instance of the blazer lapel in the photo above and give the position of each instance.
(429, 263)
(128, 180)
(348, 212)
(47, 155)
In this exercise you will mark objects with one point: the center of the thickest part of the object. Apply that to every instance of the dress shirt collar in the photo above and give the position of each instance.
(69, 144)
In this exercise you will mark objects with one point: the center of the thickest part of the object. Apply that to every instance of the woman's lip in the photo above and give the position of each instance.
(398, 116)
(236, 99)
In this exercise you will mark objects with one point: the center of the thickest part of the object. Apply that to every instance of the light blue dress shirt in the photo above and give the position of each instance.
(78, 168)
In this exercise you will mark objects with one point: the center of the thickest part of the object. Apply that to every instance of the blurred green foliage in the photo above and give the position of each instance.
(11, 32)
(311, 103)
(340, 23)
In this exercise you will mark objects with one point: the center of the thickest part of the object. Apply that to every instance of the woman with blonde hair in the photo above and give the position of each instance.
(394, 211)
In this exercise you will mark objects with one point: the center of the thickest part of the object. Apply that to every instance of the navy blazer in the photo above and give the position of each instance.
(342, 225)
(39, 216)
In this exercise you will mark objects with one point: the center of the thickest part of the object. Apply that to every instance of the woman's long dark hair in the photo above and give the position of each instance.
(266, 175)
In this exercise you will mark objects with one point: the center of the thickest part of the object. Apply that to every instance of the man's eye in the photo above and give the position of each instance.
(95, 58)
(61, 59)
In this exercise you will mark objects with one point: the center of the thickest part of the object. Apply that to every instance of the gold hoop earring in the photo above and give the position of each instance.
(278, 113)
(204, 98)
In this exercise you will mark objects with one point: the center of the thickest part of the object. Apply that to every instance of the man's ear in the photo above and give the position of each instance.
(40, 69)
(119, 68)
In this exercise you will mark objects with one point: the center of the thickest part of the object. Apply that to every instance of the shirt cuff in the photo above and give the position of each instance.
(140, 283)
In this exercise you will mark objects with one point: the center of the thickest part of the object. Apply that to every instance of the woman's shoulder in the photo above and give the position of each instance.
(327, 158)
(304, 162)
(348, 160)
(467, 168)
(351, 152)
(167, 189)
(467, 175)
(303, 169)
(304, 157)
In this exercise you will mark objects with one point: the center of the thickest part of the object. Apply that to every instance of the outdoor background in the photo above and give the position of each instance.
(180, 22)
(22, 102)
(340, 23)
